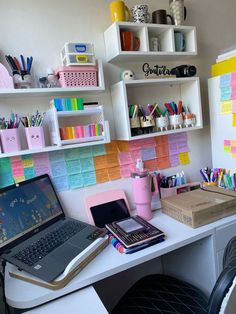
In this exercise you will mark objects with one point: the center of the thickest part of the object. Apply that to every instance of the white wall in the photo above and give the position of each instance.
(40, 28)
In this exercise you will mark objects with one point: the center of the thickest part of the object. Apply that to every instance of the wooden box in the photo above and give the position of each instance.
(200, 207)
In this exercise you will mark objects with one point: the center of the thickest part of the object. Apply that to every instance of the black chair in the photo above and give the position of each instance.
(164, 294)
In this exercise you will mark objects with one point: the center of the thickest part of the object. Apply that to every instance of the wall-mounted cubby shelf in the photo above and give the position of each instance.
(125, 93)
(144, 32)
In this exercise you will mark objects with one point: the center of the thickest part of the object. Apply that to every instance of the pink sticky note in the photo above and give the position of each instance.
(227, 143)
(233, 149)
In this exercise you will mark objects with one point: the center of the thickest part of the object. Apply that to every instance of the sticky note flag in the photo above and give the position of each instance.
(226, 107)
(184, 158)
(234, 119)
(114, 173)
(75, 181)
(101, 175)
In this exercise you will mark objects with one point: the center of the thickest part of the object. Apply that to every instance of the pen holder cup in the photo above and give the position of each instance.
(162, 123)
(35, 137)
(22, 81)
(176, 121)
(147, 122)
(189, 120)
(10, 140)
(134, 123)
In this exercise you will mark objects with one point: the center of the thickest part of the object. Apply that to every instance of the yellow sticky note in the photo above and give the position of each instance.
(19, 179)
(226, 106)
(233, 143)
(27, 163)
(233, 155)
(184, 158)
(234, 119)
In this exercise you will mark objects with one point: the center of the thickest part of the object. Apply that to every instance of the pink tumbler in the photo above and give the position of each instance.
(141, 186)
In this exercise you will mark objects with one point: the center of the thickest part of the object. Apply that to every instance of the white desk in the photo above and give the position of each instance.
(24, 295)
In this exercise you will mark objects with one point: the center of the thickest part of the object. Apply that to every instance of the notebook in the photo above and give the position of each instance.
(36, 236)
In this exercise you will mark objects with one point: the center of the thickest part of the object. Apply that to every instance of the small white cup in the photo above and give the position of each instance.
(176, 121)
(162, 123)
(189, 120)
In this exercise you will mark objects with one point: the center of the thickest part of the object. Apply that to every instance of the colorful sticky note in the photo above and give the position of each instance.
(89, 178)
(6, 179)
(29, 173)
(101, 175)
(111, 148)
(87, 164)
(112, 160)
(56, 155)
(100, 162)
(114, 173)
(227, 149)
(58, 168)
(184, 158)
(151, 164)
(163, 163)
(75, 181)
(60, 183)
(98, 150)
(174, 160)
(234, 119)
(73, 166)
(226, 107)
(125, 158)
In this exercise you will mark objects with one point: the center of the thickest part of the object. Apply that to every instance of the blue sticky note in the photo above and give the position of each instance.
(71, 154)
(56, 155)
(87, 164)
(58, 168)
(225, 79)
(29, 173)
(75, 181)
(6, 179)
(73, 166)
(61, 183)
(98, 150)
(85, 152)
(148, 153)
(89, 178)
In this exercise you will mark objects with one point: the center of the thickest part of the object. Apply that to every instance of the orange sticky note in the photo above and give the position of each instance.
(101, 175)
(151, 164)
(123, 146)
(163, 163)
(112, 160)
(161, 140)
(114, 173)
(100, 162)
(111, 148)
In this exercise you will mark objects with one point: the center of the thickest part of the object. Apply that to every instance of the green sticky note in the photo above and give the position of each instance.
(73, 166)
(98, 150)
(75, 181)
(5, 165)
(89, 178)
(227, 149)
(87, 164)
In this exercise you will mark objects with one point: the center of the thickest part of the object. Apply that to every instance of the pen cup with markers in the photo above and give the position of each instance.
(176, 121)
(147, 123)
(10, 140)
(162, 123)
(135, 126)
(35, 137)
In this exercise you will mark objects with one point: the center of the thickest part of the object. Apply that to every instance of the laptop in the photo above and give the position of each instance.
(36, 236)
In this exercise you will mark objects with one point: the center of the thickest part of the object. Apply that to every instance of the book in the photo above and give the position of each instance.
(134, 231)
(122, 249)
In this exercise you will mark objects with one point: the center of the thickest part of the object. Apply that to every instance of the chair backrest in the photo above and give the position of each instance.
(222, 298)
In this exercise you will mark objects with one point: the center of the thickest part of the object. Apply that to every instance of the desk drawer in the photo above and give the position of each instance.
(224, 234)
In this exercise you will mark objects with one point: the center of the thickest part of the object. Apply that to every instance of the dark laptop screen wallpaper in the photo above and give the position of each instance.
(26, 207)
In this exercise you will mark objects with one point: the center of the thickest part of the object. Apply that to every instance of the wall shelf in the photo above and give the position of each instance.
(144, 32)
(125, 93)
(58, 91)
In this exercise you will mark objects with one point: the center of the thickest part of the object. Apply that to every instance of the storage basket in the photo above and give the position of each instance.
(77, 76)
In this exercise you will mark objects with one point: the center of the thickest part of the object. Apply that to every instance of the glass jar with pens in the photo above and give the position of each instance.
(9, 133)
(34, 130)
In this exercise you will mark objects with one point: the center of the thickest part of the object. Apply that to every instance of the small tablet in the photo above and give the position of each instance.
(108, 212)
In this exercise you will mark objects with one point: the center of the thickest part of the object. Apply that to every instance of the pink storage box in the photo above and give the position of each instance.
(77, 76)
(10, 140)
(35, 137)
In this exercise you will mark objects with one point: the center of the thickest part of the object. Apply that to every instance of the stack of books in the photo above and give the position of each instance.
(225, 62)
(132, 234)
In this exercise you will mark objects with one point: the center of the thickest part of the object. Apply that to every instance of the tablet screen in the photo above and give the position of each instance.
(109, 212)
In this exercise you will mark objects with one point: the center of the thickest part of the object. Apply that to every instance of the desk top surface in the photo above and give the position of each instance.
(110, 262)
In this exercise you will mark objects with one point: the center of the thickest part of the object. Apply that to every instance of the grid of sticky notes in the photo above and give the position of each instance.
(230, 147)
(228, 95)
(84, 166)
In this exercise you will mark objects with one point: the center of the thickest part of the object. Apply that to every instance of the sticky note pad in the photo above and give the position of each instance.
(184, 158)
(234, 119)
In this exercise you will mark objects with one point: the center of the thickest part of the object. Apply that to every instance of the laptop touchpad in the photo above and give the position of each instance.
(65, 253)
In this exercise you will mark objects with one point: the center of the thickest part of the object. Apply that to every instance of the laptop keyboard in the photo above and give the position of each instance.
(37, 250)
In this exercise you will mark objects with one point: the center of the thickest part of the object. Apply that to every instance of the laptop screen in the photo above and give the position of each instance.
(25, 207)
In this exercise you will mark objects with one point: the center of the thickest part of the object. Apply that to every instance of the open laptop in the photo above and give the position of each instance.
(36, 236)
